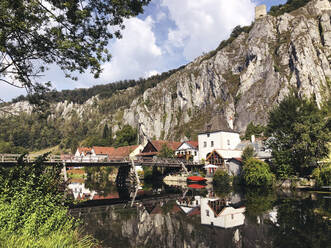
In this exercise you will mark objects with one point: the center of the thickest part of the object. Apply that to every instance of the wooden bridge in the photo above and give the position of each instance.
(72, 161)
(127, 173)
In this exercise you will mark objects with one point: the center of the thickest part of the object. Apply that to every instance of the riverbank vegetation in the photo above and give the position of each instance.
(300, 134)
(32, 209)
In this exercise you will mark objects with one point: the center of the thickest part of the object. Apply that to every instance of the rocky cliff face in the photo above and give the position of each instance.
(239, 83)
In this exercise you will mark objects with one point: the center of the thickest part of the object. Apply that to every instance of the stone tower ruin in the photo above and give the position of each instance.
(260, 11)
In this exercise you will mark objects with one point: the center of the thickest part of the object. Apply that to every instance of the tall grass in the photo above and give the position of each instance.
(57, 239)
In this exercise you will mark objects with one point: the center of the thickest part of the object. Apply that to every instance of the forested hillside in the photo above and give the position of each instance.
(236, 84)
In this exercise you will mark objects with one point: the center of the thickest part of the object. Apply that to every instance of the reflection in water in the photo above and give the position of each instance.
(161, 216)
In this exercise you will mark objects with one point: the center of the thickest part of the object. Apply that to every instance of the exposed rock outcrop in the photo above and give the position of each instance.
(240, 82)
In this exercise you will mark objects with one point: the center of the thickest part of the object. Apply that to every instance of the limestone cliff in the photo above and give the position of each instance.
(239, 83)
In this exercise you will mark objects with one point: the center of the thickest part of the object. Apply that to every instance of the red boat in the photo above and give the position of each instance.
(196, 186)
(196, 179)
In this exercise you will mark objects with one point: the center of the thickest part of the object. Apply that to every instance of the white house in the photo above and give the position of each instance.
(218, 212)
(80, 192)
(223, 141)
(188, 204)
(188, 149)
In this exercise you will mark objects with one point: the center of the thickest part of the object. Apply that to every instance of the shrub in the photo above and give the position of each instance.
(257, 173)
(322, 176)
(248, 152)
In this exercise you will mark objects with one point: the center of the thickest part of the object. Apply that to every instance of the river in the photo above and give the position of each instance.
(160, 215)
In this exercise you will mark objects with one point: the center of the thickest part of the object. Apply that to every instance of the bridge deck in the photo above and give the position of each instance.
(9, 160)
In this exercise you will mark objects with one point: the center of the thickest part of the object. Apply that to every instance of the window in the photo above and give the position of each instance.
(205, 144)
(232, 216)
(207, 212)
(208, 134)
(196, 202)
(212, 143)
(195, 153)
(228, 142)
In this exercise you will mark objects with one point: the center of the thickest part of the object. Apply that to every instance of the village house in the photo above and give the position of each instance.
(153, 147)
(221, 213)
(83, 151)
(188, 150)
(99, 153)
(219, 144)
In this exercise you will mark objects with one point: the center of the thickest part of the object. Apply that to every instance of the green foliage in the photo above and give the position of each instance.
(68, 239)
(257, 173)
(290, 6)
(221, 179)
(322, 175)
(248, 152)
(32, 207)
(77, 40)
(258, 201)
(300, 136)
(166, 152)
(126, 136)
(105, 91)
(251, 129)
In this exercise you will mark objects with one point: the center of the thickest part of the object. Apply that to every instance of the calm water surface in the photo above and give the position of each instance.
(181, 216)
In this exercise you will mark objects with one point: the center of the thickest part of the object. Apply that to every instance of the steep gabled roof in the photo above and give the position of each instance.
(170, 144)
(192, 143)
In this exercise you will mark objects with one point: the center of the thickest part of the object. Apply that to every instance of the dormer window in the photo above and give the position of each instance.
(208, 135)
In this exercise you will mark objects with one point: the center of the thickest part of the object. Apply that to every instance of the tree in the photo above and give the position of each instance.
(253, 130)
(300, 136)
(126, 136)
(257, 173)
(166, 152)
(70, 33)
(248, 152)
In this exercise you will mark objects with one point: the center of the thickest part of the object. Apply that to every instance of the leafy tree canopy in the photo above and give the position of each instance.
(126, 136)
(252, 129)
(300, 136)
(70, 33)
(248, 152)
(257, 173)
(166, 152)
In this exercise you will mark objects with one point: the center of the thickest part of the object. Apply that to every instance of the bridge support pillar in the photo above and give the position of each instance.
(64, 172)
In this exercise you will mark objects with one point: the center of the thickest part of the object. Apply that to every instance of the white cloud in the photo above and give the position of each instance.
(135, 54)
(151, 73)
(202, 25)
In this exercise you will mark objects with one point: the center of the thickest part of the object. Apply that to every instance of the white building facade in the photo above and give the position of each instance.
(221, 141)
(189, 148)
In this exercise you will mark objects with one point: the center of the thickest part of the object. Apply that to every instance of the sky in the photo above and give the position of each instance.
(169, 33)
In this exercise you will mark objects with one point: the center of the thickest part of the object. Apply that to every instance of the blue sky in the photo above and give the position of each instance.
(169, 34)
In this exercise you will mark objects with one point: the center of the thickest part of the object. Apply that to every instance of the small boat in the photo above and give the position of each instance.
(196, 179)
(196, 186)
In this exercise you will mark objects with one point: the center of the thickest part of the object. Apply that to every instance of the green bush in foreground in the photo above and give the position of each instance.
(32, 211)
(322, 175)
(257, 173)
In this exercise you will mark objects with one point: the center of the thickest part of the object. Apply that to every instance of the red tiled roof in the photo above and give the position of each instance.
(194, 144)
(171, 144)
(148, 154)
(194, 211)
(84, 150)
(109, 196)
(123, 151)
(102, 150)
